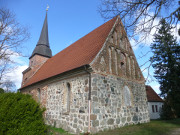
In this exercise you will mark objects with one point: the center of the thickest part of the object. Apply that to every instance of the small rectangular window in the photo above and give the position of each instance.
(152, 108)
(156, 108)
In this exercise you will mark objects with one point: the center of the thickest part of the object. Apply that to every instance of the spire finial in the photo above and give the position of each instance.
(47, 7)
(42, 46)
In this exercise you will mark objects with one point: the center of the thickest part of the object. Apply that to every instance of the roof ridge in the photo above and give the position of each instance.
(152, 95)
(78, 54)
(116, 19)
(85, 35)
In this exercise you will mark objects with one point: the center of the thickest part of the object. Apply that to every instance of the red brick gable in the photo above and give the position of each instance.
(152, 96)
(80, 53)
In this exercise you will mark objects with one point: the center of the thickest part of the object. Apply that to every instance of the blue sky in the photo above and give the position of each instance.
(67, 22)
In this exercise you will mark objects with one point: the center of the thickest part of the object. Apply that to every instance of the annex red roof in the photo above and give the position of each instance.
(80, 53)
(152, 96)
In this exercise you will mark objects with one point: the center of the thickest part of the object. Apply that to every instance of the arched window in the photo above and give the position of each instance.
(68, 96)
(127, 96)
(39, 94)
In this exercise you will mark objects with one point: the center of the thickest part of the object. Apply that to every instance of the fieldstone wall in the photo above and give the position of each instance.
(54, 97)
(112, 107)
(76, 119)
(115, 102)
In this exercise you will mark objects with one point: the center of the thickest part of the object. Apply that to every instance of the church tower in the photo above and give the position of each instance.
(40, 55)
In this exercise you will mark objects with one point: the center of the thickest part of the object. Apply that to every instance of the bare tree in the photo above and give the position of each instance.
(9, 86)
(12, 35)
(139, 16)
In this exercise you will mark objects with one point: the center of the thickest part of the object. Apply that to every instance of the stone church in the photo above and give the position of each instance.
(92, 85)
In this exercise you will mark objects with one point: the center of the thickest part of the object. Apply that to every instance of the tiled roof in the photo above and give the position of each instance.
(152, 96)
(80, 53)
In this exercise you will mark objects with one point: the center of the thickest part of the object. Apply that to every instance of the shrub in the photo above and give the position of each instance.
(20, 115)
(1, 90)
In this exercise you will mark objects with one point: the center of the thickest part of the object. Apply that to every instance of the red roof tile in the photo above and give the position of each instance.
(152, 96)
(80, 53)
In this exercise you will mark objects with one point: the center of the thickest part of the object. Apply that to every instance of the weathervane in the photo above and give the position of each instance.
(47, 7)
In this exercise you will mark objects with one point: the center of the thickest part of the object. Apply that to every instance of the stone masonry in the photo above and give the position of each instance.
(108, 107)
(54, 98)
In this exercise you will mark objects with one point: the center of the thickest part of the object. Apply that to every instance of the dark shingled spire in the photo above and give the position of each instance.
(42, 48)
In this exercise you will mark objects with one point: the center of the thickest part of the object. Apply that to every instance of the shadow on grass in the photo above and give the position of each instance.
(155, 127)
(57, 131)
(174, 121)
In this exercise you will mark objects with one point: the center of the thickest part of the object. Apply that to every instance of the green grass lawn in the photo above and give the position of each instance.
(57, 131)
(155, 127)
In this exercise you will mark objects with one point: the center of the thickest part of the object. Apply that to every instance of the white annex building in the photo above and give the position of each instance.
(155, 103)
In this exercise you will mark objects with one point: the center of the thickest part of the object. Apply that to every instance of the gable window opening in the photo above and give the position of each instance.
(123, 66)
(111, 39)
(68, 96)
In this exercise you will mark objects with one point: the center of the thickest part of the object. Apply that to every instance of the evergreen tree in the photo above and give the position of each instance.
(166, 62)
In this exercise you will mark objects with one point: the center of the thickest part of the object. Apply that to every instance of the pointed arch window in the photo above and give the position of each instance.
(39, 94)
(127, 96)
(68, 96)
